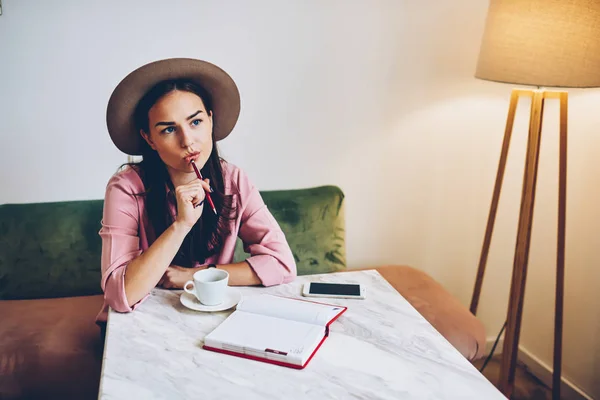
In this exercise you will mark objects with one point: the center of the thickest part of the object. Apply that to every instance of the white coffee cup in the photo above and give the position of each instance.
(209, 286)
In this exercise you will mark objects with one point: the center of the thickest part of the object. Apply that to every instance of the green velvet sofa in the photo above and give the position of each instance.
(50, 347)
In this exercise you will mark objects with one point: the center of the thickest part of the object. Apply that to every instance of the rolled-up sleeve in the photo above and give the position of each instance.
(270, 254)
(120, 241)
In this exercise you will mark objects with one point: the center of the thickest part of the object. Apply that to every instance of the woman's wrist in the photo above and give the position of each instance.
(181, 228)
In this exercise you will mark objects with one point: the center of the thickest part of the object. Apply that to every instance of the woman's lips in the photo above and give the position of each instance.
(193, 156)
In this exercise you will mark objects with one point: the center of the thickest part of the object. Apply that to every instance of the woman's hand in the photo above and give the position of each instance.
(190, 202)
(175, 277)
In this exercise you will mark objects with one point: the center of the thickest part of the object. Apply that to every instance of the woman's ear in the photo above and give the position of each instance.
(147, 139)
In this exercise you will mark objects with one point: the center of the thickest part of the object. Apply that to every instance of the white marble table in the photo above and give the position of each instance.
(381, 348)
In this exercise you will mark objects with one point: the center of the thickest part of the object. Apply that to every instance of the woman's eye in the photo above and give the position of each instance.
(196, 122)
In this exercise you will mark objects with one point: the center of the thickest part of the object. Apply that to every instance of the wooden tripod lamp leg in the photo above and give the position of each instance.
(521, 257)
(517, 290)
(514, 98)
(560, 248)
(523, 235)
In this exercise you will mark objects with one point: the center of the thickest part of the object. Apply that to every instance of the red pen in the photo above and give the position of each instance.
(212, 205)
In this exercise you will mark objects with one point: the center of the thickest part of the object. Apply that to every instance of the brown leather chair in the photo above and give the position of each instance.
(50, 348)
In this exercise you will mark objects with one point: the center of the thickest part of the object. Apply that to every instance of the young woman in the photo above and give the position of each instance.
(158, 227)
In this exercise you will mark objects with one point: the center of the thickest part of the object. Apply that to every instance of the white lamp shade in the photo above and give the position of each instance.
(542, 43)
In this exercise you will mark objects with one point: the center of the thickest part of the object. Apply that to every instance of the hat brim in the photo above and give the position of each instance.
(124, 99)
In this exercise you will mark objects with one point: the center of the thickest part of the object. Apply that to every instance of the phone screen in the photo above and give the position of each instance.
(335, 288)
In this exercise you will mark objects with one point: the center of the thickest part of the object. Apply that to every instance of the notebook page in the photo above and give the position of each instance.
(253, 334)
(297, 310)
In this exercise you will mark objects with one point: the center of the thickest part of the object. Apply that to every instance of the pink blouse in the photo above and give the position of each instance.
(126, 228)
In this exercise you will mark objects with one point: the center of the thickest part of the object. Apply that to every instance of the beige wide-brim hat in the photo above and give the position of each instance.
(124, 99)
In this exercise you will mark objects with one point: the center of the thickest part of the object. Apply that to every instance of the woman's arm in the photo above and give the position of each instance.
(144, 272)
(271, 261)
(128, 275)
(240, 274)
(147, 269)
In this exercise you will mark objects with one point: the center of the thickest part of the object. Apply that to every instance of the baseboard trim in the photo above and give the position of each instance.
(569, 391)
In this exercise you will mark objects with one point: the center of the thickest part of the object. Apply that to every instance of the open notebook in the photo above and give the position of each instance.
(274, 329)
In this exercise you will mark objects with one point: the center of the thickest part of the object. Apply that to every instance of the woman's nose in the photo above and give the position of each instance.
(186, 137)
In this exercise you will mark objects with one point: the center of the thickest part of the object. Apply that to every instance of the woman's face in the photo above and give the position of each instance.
(180, 130)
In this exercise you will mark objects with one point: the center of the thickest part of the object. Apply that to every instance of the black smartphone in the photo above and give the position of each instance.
(335, 290)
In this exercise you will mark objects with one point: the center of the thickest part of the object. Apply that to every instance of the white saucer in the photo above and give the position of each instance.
(232, 297)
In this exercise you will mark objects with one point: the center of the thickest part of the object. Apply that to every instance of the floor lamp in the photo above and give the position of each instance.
(541, 43)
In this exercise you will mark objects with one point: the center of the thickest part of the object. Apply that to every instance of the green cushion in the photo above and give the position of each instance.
(50, 249)
(313, 223)
(53, 249)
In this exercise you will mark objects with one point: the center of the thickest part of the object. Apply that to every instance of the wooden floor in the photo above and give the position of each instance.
(527, 386)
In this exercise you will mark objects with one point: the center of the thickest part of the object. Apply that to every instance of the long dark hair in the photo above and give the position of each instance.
(207, 236)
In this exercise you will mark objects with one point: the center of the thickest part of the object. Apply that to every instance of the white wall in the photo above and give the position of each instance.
(377, 97)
